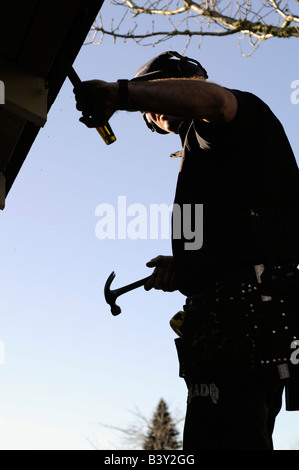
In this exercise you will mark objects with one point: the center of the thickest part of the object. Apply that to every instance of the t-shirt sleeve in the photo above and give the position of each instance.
(241, 127)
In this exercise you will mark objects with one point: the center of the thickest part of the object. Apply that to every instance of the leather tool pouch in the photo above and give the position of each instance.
(239, 332)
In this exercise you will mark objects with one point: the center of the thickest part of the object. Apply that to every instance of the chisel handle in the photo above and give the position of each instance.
(105, 132)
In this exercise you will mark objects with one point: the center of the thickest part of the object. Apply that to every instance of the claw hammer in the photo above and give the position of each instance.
(111, 295)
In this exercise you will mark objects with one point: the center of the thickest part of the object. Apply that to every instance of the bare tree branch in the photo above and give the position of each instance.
(257, 20)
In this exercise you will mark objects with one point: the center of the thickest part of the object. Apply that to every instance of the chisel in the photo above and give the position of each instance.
(105, 131)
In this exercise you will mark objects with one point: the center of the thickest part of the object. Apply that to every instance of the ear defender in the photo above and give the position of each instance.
(151, 125)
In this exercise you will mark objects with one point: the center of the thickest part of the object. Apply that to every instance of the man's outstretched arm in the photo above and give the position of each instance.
(183, 97)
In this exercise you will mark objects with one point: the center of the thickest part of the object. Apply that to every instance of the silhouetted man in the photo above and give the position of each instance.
(240, 323)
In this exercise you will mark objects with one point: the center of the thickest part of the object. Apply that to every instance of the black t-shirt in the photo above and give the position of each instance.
(245, 176)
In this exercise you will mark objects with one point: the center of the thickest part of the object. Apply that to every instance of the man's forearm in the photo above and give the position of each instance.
(187, 98)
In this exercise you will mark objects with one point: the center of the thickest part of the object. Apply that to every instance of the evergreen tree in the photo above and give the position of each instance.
(162, 433)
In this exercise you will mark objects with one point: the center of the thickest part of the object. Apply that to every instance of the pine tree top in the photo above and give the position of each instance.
(162, 433)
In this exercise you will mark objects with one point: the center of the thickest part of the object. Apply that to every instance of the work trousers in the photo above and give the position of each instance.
(232, 412)
(234, 351)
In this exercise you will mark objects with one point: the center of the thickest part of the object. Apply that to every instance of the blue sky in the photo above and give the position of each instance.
(68, 363)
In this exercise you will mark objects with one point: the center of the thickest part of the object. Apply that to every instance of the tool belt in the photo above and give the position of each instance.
(242, 326)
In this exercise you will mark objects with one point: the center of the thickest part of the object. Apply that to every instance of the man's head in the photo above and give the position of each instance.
(168, 65)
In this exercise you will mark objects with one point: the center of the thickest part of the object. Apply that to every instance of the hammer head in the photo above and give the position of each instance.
(111, 296)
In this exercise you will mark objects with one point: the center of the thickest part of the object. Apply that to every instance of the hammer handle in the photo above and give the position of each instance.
(129, 287)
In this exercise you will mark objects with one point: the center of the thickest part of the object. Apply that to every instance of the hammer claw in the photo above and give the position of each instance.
(111, 295)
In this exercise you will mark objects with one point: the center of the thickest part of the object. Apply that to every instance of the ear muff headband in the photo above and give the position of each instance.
(166, 65)
(188, 67)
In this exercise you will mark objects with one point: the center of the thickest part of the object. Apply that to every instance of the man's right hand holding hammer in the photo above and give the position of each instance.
(163, 277)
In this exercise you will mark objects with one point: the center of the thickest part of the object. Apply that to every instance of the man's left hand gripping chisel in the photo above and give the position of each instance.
(105, 131)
